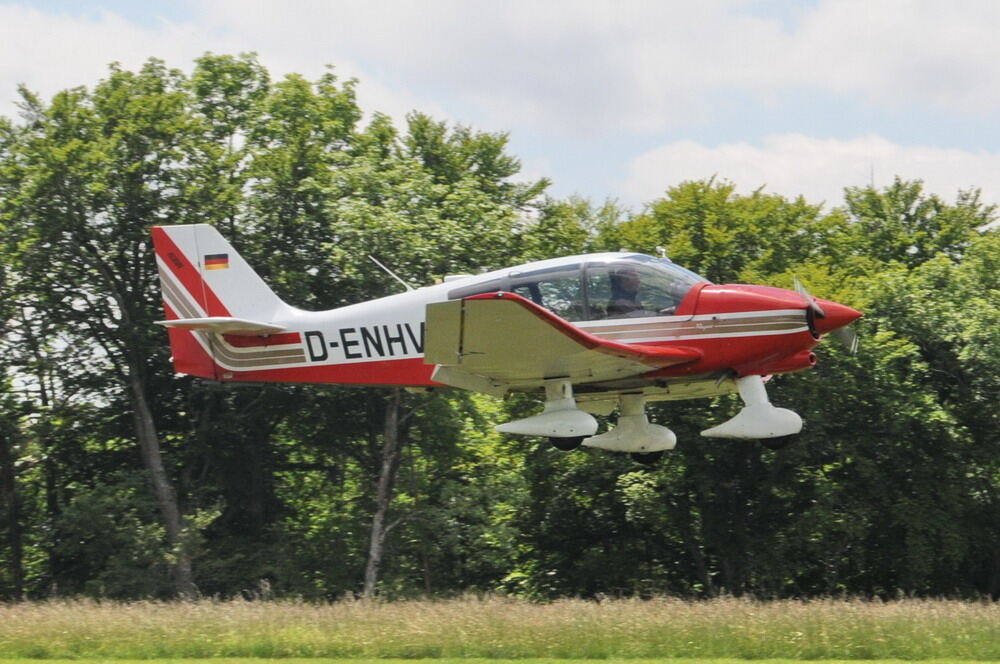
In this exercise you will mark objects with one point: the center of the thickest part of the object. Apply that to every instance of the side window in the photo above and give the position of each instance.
(559, 291)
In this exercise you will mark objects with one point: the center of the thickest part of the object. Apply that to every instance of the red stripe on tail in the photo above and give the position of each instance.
(189, 356)
(241, 341)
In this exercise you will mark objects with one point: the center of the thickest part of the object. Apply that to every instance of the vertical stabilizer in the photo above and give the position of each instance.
(203, 277)
(205, 270)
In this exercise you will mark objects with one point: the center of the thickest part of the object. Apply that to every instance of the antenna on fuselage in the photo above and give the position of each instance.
(391, 273)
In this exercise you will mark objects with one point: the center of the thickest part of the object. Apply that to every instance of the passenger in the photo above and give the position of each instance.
(625, 284)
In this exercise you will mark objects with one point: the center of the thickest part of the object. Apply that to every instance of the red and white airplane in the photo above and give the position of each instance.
(591, 332)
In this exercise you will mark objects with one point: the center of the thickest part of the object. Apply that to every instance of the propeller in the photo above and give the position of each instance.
(844, 335)
(848, 338)
(810, 300)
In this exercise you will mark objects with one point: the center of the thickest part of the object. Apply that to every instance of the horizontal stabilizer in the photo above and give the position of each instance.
(224, 325)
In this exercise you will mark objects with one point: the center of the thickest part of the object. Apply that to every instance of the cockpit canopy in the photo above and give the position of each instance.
(618, 286)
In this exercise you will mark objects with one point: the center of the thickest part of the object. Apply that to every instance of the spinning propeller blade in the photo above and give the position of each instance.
(847, 337)
(810, 300)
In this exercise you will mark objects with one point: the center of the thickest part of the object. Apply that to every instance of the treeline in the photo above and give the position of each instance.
(120, 479)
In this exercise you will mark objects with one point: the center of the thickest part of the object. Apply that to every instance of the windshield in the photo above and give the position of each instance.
(637, 286)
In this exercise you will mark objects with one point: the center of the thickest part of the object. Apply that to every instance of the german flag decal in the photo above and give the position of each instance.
(216, 261)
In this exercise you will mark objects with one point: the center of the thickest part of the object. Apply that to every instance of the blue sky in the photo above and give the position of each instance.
(608, 99)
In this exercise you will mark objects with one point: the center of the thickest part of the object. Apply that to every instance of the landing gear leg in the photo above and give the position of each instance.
(758, 419)
(634, 432)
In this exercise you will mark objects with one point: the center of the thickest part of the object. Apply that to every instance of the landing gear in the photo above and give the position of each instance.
(646, 458)
(566, 444)
(758, 419)
(567, 427)
(634, 432)
(560, 418)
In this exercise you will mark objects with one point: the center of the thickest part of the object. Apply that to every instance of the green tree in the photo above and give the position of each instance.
(902, 223)
(571, 226)
(319, 491)
(437, 201)
(876, 495)
(724, 236)
(91, 172)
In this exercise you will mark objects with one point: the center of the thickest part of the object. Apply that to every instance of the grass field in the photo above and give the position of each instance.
(494, 629)
(322, 660)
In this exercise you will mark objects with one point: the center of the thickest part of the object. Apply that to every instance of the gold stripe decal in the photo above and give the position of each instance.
(704, 327)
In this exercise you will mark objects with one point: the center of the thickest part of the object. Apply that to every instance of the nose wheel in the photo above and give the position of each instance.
(758, 418)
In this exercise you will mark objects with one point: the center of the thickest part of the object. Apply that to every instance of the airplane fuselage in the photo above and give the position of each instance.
(592, 333)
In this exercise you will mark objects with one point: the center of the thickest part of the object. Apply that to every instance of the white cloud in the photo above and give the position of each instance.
(638, 64)
(561, 66)
(599, 72)
(899, 51)
(819, 169)
(558, 65)
(50, 52)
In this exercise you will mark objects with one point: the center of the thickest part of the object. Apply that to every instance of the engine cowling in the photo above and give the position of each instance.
(799, 361)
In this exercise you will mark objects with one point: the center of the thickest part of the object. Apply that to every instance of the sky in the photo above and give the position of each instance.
(609, 99)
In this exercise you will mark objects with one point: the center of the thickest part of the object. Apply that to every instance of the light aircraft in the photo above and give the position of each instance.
(591, 333)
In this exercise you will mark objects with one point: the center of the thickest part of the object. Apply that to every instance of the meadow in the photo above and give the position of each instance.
(499, 628)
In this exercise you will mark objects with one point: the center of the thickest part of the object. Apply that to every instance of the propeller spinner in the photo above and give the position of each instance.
(831, 318)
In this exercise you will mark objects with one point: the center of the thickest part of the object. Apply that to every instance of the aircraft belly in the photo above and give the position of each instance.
(672, 389)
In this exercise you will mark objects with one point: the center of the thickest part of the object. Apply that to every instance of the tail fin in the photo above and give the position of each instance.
(212, 275)
(208, 288)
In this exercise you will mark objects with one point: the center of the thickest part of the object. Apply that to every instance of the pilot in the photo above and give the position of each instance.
(625, 284)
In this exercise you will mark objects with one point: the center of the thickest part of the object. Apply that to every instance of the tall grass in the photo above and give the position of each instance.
(503, 628)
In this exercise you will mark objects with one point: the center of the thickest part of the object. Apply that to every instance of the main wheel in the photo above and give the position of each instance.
(647, 458)
(779, 443)
(566, 444)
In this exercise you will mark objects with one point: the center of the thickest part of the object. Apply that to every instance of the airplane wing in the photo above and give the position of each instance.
(495, 341)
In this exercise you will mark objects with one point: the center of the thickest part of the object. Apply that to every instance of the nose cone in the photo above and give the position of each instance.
(834, 316)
